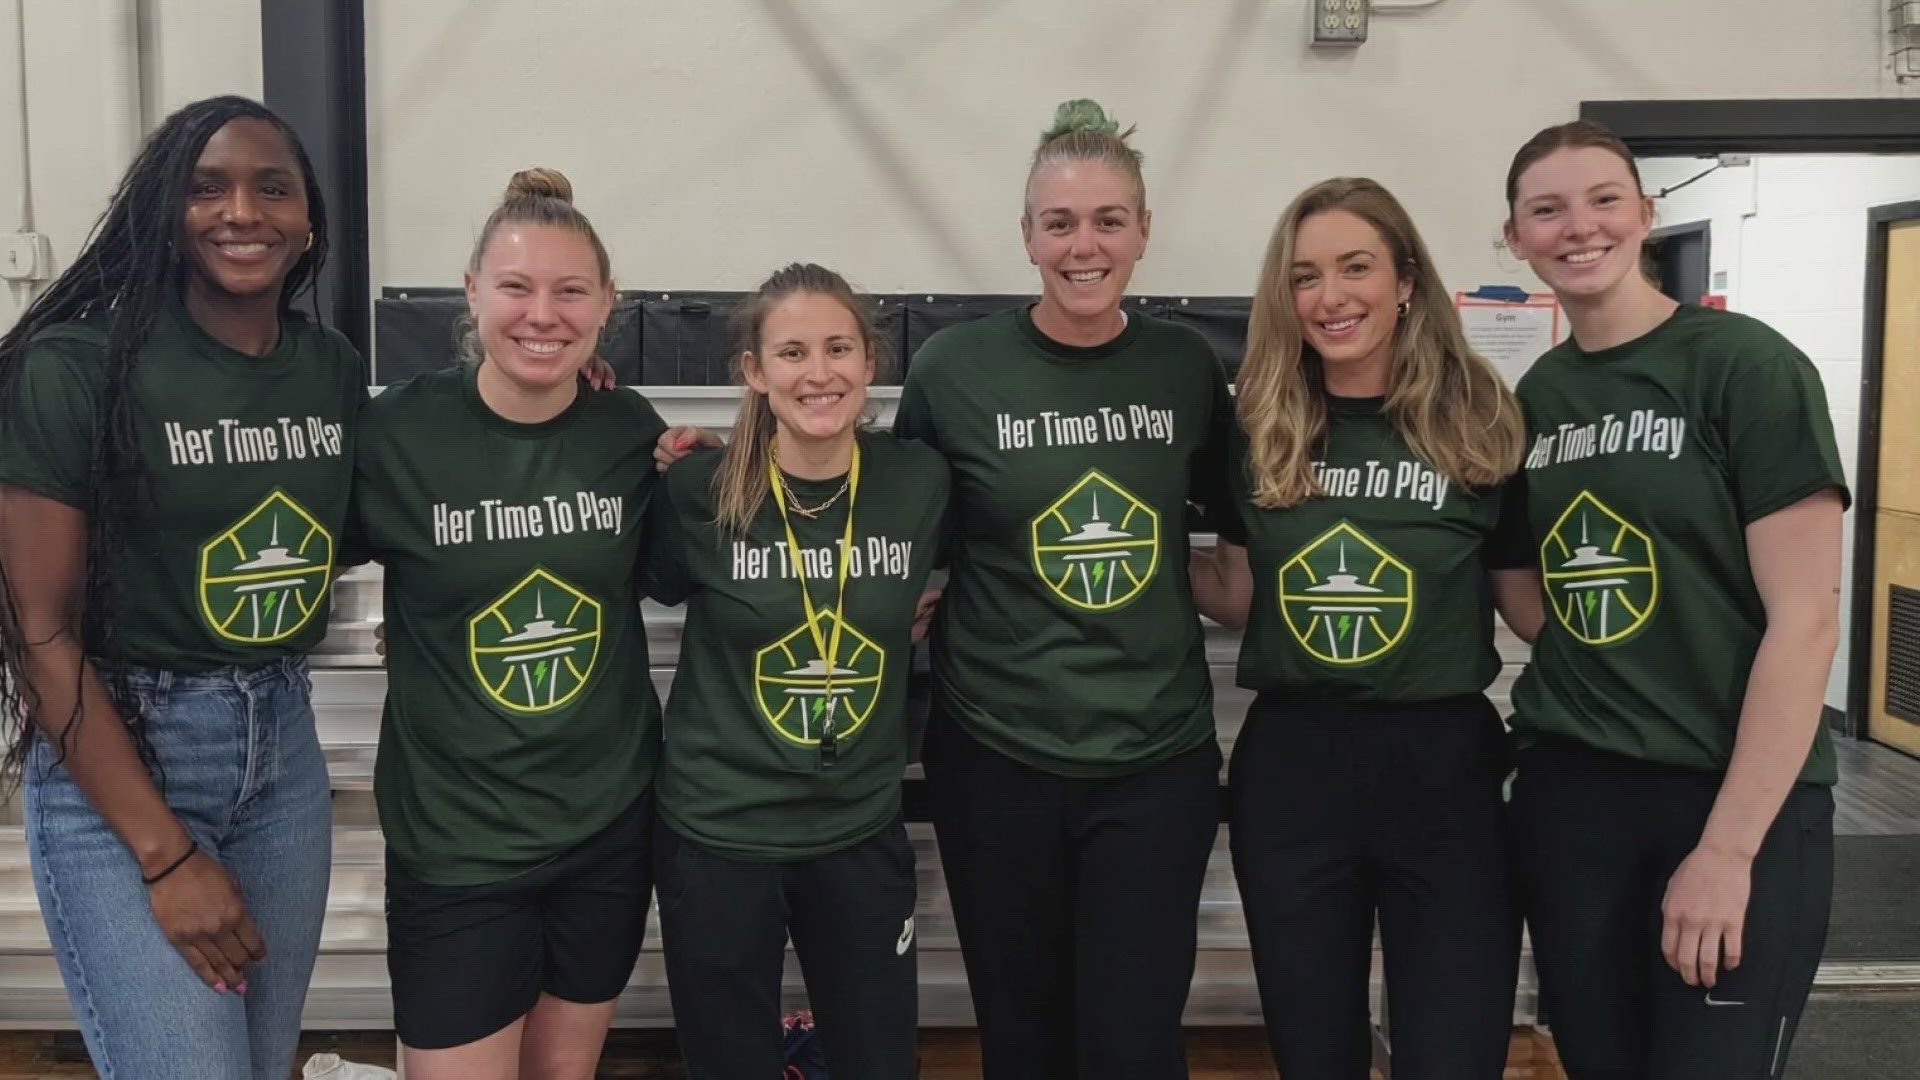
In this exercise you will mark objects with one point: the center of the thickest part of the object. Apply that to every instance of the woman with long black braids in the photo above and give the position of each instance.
(175, 452)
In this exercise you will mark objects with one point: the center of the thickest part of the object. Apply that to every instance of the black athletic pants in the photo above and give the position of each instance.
(1599, 835)
(724, 924)
(1077, 903)
(1340, 812)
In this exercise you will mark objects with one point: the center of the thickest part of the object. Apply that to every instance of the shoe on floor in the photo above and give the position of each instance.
(330, 1067)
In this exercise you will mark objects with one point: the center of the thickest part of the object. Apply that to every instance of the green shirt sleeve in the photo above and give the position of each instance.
(664, 576)
(1207, 486)
(914, 418)
(51, 421)
(1510, 546)
(940, 479)
(1231, 519)
(1777, 431)
(356, 545)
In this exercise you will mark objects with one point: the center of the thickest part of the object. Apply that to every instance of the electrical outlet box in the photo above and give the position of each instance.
(26, 257)
(1340, 22)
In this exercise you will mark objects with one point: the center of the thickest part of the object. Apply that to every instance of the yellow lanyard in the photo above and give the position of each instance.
(829, 650)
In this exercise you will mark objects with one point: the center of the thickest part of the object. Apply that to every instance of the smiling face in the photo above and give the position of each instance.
(1579, 220)
(246, 219)
(1085, 230)
(1346, 292)
(814, 363)
(539, 303)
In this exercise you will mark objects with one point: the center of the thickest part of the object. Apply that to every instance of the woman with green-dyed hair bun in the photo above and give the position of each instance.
(1072, 766)
(1082, 114)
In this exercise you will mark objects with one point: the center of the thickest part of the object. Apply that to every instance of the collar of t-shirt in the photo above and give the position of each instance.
(1357, 406)
(1061, 352)
(273, 363)
(470, 393)
(1680, 317)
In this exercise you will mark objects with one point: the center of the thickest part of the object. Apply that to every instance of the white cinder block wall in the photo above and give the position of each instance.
(714, 141)
(176, 51)
(1790, 233)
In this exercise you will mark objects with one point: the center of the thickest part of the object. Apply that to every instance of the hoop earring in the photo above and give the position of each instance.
(309, 246)
(1403, 308)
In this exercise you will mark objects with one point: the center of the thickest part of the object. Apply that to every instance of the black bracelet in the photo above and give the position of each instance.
(192, 849)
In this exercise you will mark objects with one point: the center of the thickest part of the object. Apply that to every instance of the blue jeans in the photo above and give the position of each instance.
(244, 773)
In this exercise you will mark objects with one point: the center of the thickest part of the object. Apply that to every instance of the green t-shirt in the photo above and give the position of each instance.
(745, 772)
(229, 547)
(1376, 591)
(1067, 638)
(1646, 464)
(520, 718)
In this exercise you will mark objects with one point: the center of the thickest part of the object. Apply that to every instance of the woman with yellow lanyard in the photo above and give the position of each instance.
(801, 551)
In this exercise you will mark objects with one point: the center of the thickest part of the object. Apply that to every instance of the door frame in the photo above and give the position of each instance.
(1704, 230)
(1866, 497)
(1680, 128)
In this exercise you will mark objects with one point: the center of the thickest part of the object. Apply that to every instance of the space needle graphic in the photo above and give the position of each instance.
(1344, 597)
(1588, 557)
(814, 701)
(277, 591)
(1100, 559)
(537, 664)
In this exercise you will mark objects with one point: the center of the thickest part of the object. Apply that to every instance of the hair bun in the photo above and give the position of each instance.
(540, 183)
(1081, 114)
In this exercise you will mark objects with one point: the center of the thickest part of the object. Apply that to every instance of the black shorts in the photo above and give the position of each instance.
(465, 961)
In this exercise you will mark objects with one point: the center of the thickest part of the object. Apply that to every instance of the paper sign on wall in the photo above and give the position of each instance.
(1509, 326)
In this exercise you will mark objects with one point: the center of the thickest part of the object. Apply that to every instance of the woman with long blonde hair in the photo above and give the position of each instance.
(1366, 779)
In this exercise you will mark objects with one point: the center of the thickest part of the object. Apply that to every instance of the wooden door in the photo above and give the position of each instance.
(1893, 711)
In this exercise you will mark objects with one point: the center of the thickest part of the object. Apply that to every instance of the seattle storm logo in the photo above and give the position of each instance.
(533, 648)
(263, 578)
(1098, 545)
(1599, 571)
(790, 682)
(1346, 599)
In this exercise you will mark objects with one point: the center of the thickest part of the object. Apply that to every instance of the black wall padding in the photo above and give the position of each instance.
(413, 335)
(1222, 320)
(890, 320)
(690, 338)
(415, 331)
(929, 313)
(687, 338)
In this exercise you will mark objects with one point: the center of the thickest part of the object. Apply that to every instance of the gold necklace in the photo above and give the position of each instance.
(793, 503)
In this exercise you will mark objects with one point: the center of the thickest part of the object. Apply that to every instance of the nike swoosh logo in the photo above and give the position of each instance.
(1710, 1001)
(906, 938)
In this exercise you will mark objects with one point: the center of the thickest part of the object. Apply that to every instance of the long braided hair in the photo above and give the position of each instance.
(133, 265)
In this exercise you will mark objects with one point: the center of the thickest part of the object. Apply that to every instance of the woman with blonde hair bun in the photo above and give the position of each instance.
(1366, 780)
(521, 729)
